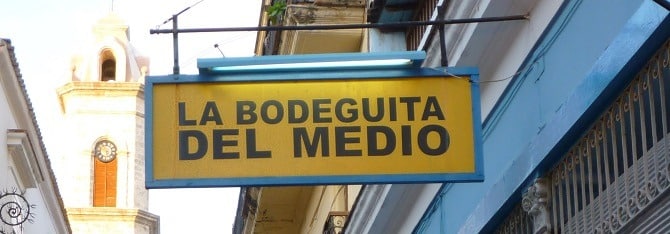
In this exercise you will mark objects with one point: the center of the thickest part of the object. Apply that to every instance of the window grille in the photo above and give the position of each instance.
(518, 221)
(614, 171)
(621, 164)
(335, 222)
(424, 13)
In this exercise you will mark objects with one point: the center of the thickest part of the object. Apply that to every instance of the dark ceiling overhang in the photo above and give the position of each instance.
(391, 11)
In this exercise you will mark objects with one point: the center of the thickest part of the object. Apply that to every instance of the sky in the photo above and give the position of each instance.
(47, 33)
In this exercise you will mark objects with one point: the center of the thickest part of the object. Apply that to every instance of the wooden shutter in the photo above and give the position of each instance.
(104, 185)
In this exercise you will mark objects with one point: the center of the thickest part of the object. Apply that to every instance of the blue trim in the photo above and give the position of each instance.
(310, 74)
(148, 130)
(473, 73)
(476, 123)
(313, 180)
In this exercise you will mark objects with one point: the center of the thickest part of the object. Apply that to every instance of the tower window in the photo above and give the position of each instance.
(104, 183)
(105, 171)
(108, 70)
(107, 65)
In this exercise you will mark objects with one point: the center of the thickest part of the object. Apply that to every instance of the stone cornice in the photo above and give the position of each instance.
(112, 214)
(100, 88)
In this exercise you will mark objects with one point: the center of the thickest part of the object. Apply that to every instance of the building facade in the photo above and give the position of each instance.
(101, 170)
(574, 101)
(574, 105)
(30, 201)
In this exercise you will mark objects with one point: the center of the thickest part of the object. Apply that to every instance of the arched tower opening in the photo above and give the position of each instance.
(108, 66)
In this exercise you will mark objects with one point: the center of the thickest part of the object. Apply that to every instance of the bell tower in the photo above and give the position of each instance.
(100, 168)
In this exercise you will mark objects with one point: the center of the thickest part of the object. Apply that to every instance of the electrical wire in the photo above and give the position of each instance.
(158, 26)
(193, 59)
(499, 80)
(486, 81)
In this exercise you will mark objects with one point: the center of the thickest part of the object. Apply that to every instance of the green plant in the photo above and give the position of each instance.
(276, 11)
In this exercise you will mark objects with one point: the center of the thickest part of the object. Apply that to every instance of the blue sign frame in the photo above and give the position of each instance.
(266, 68)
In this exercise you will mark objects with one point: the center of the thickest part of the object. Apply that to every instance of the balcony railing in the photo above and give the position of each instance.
(619, 167)
(424, 12)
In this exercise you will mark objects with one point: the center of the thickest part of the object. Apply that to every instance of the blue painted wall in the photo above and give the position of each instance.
(586, 55)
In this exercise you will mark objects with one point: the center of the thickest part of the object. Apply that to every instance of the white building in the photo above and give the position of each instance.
(29, 198)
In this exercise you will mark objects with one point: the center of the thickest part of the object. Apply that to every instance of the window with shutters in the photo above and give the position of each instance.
(104, 185)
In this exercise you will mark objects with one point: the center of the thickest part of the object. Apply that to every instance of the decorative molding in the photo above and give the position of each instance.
(14, 210)
(22, 154)
(113, 215)
(302, 14)
(535, 203)
(335, 222)
(102, 89)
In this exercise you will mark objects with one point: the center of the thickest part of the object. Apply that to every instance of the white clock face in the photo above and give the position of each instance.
(105, 151)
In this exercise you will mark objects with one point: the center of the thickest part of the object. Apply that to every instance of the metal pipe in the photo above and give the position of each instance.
(444, 61)
(175, 37)
(396, 25)
(175, 43)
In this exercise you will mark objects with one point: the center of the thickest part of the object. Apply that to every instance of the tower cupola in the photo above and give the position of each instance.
(112, 58)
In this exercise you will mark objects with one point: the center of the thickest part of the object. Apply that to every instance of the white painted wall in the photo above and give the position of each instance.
(497, 49)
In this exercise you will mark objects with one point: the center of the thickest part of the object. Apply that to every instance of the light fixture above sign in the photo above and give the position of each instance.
(287, 63)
